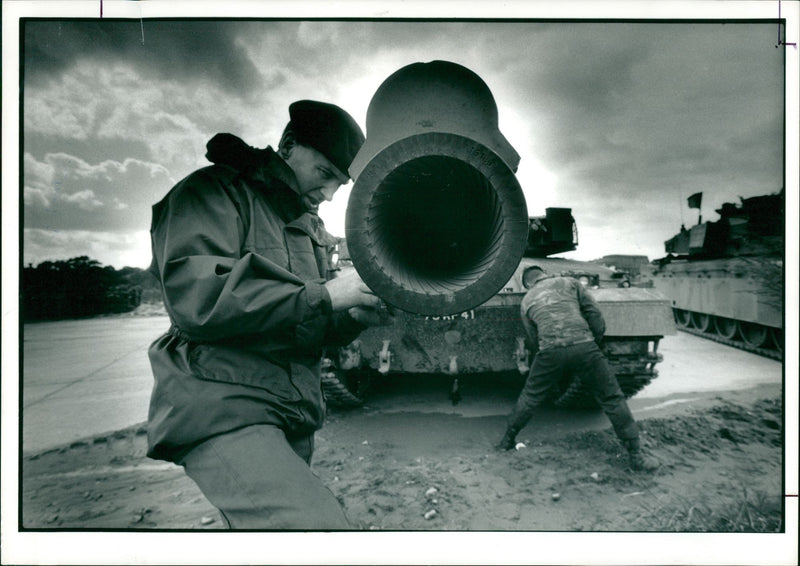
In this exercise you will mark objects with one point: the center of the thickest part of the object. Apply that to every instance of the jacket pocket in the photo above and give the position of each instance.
(241, 367)
(308, 244)
(302, 259)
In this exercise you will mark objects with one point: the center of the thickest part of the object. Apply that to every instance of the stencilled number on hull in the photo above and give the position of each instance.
(466, 315)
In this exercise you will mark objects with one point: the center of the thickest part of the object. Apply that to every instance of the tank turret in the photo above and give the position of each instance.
(553, 233)
(753, 227)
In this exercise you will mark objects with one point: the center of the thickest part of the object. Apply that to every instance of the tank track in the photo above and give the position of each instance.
(739, 344)
(336, 392)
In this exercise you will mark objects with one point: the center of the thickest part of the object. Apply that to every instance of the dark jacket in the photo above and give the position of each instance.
(558, 311)
(242, 269)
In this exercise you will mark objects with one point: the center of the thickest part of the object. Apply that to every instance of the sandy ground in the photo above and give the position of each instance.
(721, 471)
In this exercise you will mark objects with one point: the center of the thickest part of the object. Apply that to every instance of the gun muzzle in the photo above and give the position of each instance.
(436, 222)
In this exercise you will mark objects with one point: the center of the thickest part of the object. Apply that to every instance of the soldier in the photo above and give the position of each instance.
(565, 330)
(241, 255)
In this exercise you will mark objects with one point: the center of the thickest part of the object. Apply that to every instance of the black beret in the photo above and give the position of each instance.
(328, 129)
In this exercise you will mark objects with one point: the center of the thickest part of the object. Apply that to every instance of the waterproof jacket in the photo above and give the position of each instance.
(242, 268)
(558, 311)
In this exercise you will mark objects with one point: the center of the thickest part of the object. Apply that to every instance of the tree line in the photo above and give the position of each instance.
(81, 287)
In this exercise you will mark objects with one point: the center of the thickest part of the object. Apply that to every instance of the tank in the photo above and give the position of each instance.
(725, 278)
(437, 226)
(490, 340)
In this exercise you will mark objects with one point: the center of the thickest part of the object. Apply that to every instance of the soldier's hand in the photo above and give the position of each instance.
(382, 316)
(366, 316)
(348, 290)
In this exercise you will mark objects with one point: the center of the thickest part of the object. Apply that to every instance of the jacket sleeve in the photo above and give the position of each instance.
(342, 329)
(591, 313)
(212, 290)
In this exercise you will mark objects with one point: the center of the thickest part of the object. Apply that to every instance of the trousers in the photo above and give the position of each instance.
(586, 362)
(259, 479)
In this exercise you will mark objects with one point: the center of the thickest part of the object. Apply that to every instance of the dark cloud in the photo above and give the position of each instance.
(189, 51)
(591, 71)
(660, 106)
(626, 119)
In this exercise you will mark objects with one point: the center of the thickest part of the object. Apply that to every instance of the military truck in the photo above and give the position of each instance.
(490, 339)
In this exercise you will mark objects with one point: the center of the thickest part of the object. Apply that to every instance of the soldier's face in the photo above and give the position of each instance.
(317, 178)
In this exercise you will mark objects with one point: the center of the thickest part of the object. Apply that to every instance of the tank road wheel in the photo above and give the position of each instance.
(776, 337)
(726, 327)
(754, 335)
(701, 321)
(681, 317)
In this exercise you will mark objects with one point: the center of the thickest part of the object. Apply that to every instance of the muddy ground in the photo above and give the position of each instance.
(721, 471)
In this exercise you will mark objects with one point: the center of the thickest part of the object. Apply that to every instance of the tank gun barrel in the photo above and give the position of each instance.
(436, 222)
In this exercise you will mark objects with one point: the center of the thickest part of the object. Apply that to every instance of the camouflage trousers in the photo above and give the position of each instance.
(586, 362)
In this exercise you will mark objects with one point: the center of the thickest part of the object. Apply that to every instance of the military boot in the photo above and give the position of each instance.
(639, 461)
(508, 442)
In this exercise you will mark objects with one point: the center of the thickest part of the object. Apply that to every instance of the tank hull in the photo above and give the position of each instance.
(491, 340)
(721, 288)
(736, 301)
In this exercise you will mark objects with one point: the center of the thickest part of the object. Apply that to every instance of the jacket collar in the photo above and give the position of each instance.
(273, 166)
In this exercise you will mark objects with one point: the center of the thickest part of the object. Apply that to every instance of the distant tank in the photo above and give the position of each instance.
(490, 339)
(725, 278)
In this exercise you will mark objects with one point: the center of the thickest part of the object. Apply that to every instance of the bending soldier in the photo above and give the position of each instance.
(565, 325)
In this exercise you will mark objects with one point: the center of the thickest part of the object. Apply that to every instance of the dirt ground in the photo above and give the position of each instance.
(721, 471)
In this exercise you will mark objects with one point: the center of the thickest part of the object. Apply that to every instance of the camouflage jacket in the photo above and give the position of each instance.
(558, 311)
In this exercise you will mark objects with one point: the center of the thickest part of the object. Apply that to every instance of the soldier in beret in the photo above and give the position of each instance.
(241, 255)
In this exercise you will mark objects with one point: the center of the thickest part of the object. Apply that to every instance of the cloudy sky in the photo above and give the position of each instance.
(619, 121)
